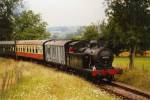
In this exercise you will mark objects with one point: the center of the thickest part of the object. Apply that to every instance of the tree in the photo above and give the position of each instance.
(7, 8)
(30, 26)
(91, 32)
(112, 38)
(131, 22)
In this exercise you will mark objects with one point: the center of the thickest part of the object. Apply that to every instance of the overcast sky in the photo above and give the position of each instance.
(68, 12)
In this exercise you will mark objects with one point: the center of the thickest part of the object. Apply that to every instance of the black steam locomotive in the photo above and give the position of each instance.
(86, 57)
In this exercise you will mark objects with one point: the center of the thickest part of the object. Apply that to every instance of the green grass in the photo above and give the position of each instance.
(138, 77)
(42, 83)
(140, 62)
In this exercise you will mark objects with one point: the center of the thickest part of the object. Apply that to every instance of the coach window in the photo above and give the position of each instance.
(40, 49)
(9, 48)
(21, 48)
(30, 49)
(17, 48)
(27, 49)
(57, 52)
(24, 50)
(36, 50)
(50, 51)
(6, 48)
(12, 48)
(53, 51)
(33, 49)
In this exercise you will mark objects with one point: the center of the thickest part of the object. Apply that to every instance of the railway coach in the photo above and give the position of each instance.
(30, 49)
(55, 51)
(7, 48)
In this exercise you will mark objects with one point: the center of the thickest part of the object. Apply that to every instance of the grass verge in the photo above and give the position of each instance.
(42, 83)
(138, 77)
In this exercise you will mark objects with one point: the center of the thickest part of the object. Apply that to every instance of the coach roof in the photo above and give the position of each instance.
(57, 42)
(37, 42)
(7, 42)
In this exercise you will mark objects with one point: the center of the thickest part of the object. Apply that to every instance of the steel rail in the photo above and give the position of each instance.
(125, 91)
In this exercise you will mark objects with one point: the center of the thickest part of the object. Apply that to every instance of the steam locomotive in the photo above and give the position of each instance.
(86, 57)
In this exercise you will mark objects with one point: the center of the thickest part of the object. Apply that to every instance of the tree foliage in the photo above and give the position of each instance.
(6, 18)
(112, 38)
(18, 24)
(129, 24)
(91, 32)
(30, 26)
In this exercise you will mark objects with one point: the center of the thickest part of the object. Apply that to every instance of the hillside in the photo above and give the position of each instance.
(62, 32)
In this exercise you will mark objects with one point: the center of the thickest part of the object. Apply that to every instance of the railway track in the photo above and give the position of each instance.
(125, 92)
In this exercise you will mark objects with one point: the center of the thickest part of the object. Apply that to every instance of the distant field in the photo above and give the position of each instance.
(140, 62)
(38, 82)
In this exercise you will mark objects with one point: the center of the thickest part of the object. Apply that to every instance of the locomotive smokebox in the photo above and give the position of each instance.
(100, 57)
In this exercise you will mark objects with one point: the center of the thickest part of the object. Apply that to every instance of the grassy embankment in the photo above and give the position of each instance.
(138, 77)
(37, 82)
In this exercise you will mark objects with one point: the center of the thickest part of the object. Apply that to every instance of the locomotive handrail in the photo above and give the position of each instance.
(76, 53)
